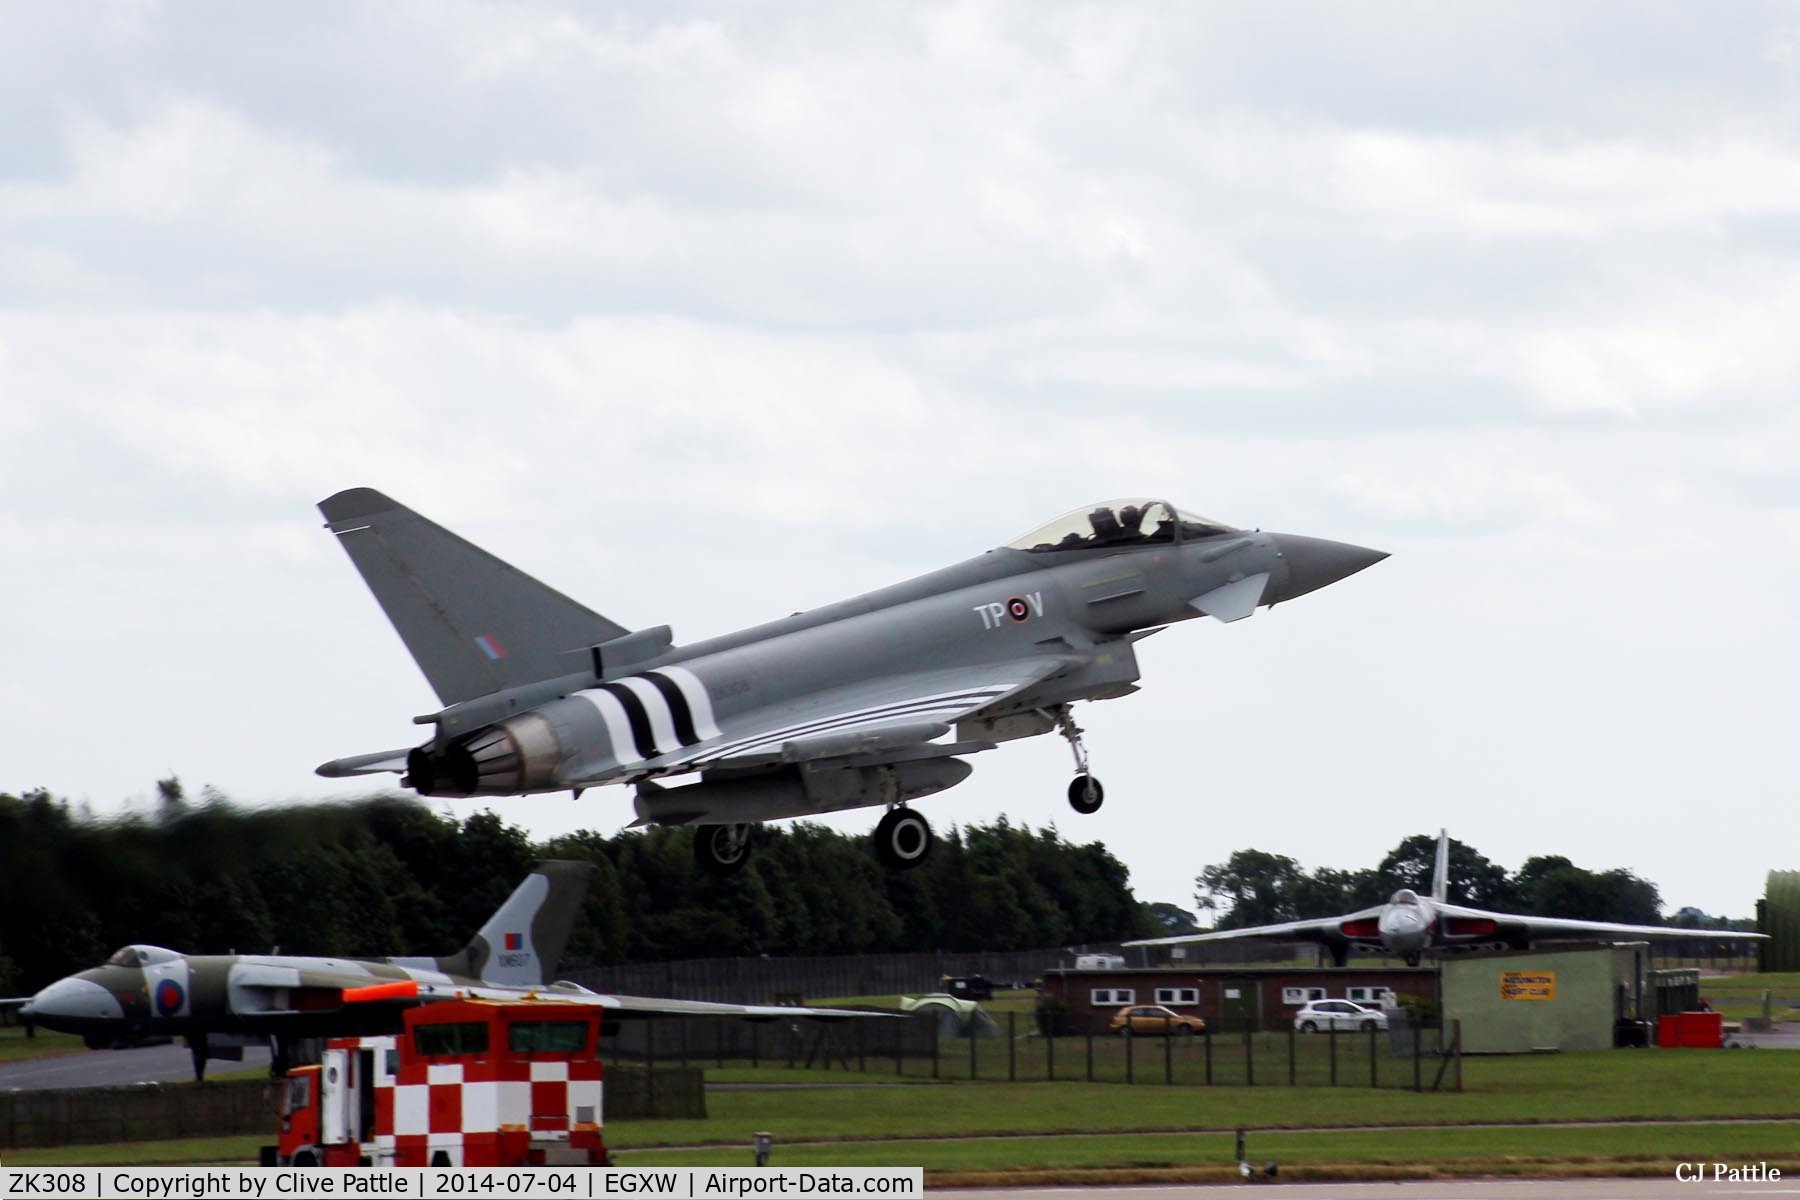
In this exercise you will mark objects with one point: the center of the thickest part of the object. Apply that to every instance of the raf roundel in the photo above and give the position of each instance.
(1017, 609)
(168, 998)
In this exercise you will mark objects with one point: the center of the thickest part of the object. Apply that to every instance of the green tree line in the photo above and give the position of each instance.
(1256, 887)
(387, 875)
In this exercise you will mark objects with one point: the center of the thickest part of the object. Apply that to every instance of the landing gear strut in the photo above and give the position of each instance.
(1085, 793)
(722, 849)
(902, 839)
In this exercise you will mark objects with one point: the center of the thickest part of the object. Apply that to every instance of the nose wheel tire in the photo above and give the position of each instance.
(1086, 795)
(722, 849)
(902, 839)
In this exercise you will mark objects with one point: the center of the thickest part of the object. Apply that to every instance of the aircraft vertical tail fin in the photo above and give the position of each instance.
(1440, 869)
(473, 623)
(522, 943)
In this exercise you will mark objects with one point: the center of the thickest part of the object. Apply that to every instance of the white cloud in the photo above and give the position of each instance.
(712, 314)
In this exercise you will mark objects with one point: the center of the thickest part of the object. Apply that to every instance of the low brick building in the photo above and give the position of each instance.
(1229, 998)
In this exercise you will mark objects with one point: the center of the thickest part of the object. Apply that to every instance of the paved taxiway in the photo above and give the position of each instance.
(102, 1068)
(1649, 1188)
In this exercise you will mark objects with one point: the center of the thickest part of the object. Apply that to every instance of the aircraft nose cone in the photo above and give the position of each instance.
(74, 1000)
(1402, 929)
(1312, 563)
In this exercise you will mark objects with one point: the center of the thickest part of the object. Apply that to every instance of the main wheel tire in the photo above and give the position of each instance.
(306, 1156)
(1369, 1025)
(902, 839)
(1185, 1031)
(1086, 795)
(722, 849)
(1308, 1027)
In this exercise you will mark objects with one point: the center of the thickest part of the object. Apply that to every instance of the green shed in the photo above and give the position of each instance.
(1559, 998)
(1778, 915)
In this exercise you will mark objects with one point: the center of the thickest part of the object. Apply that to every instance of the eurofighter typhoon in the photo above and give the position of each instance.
(871, 702)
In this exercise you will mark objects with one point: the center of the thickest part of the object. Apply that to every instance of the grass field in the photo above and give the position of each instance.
(1601, 1085)
(1334, 1153)
(1740, 996)
(959, 1127)
(985, 1131)
(1477, 1149)
(15, 1046)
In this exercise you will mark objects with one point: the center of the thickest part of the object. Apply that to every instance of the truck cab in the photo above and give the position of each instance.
(465, 1083)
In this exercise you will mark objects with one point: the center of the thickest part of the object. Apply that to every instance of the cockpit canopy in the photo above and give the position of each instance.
(1404, 896)
(141, 956)
(1119, 523)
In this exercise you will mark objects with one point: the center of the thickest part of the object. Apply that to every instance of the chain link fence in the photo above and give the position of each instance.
(1422, 1056)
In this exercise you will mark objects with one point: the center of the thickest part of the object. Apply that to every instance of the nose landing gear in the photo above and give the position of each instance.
(1085, 793)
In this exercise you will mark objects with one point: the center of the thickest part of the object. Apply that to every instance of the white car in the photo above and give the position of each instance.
(1316, 1015)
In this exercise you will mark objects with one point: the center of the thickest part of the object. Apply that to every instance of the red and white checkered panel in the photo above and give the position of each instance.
(486, 1113)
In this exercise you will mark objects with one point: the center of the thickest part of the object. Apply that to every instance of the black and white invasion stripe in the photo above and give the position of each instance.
(653, 714)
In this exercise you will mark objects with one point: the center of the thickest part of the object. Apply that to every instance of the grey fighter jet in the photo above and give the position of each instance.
(871, 702)
(221, 1003)
(1410, 925)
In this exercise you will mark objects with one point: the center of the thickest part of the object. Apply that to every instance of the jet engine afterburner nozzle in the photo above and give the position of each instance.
(421, 770)
(502, 760)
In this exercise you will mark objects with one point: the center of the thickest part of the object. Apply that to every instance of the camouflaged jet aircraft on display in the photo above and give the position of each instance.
(146, 995)
(843, 707)
(1410, 925)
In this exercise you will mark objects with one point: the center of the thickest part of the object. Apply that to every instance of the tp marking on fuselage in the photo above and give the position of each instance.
(1019, 608)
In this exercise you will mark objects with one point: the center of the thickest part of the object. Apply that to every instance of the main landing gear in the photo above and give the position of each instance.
(902, 839)
(722, 849)
(197, 1047)
(1085, 793)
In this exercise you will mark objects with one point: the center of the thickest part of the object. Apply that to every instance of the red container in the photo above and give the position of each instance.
(1703, 1030)
(1700, 1030)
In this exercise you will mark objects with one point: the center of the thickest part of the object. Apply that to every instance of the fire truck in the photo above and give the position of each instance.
(466, 1083)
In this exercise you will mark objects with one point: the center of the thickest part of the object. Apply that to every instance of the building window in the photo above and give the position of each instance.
(1368, 995)
(1178, 995)
(1103, 997)
(1300, 995)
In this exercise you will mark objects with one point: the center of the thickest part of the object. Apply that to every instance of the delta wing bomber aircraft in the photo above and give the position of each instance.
(1410, 925)
(222, 1002)
(871, 702)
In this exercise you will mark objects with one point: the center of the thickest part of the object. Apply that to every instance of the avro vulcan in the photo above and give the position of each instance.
(223, 1002)
(1410, 925)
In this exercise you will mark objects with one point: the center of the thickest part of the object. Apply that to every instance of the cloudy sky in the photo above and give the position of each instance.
(707, 313)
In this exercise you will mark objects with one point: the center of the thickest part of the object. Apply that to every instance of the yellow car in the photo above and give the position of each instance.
(1154, 1018)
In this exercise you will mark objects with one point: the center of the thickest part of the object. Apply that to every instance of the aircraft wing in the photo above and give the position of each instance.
(655, 1006)
(1317, 929)
(258, 990)
(879, 718)
(1553, 928)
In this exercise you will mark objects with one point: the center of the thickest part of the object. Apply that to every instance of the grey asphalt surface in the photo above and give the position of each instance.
(1457, 1189)
(101, 1068)
(1785, 1036)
